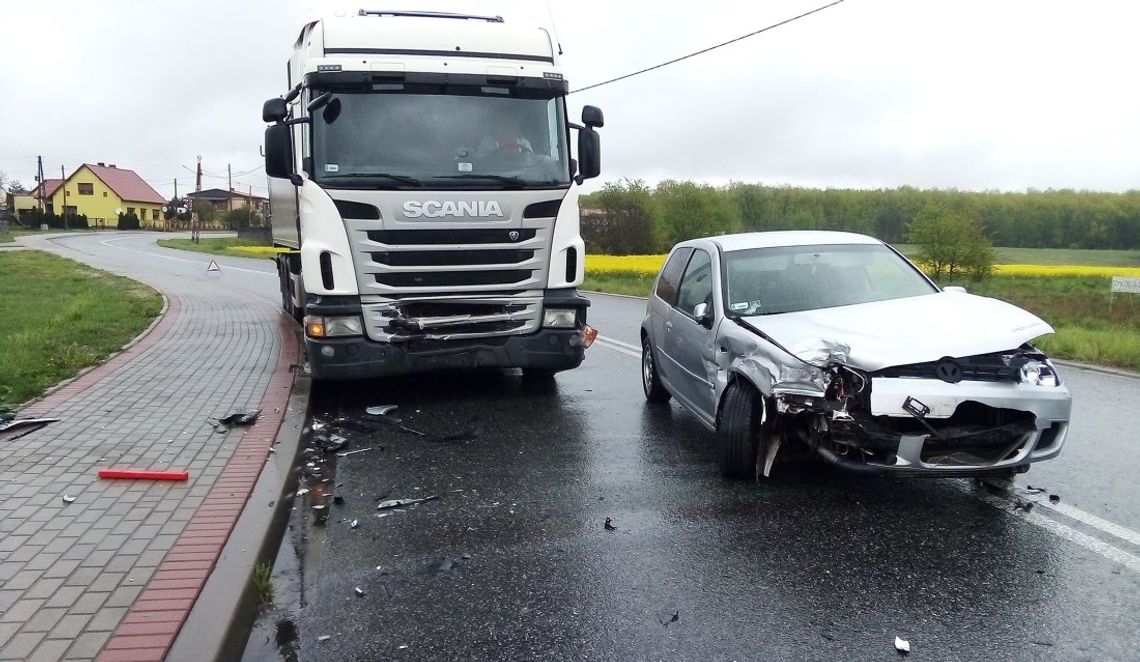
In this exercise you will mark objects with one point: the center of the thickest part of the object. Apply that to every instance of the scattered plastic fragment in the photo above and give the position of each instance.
(400, 503)
(347, 453)
(303, 491)
(676, 617)
(902, 645)
(466, 557)
(1054, 498)
(68, 499)
(234, 420)
(1018, 504)
(324, 637)
(359, 592)
(11, 422)
(609, 525)
(354, 523)
(142, 474)
(381, 410)
(338, 499)
(1035, 490)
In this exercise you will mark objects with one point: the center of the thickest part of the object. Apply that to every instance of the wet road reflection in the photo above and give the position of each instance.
(513, 561)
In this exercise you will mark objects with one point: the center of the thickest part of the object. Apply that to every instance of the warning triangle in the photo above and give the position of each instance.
(213, 266)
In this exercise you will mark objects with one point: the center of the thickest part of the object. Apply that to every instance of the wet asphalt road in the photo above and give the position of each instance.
(513, 560)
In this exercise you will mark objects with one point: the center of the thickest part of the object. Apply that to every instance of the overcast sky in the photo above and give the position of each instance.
(973, 94)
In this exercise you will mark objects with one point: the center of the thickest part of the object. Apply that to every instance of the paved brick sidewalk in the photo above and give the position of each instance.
(70, 573)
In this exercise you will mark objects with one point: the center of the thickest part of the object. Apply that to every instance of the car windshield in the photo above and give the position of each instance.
(786, 279)
(440, 137)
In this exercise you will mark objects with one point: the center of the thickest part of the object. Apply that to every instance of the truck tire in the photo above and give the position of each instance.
(651, 381)
(739, 430)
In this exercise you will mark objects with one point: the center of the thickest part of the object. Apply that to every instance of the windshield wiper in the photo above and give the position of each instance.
(403, 179)
(514, 181)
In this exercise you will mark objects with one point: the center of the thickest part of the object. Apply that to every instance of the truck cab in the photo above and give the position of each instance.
(422, 184)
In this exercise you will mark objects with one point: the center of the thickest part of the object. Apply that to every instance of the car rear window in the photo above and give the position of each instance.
(671, 275)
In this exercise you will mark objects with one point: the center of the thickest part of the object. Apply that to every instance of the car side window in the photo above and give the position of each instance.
(696, 284)
(671, 275)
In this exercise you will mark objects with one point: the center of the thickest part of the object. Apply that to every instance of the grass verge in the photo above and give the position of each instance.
(231, 246)
(60, 317)
(1092, 327)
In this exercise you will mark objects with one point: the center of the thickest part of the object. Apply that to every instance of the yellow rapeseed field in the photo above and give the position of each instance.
(649, 265)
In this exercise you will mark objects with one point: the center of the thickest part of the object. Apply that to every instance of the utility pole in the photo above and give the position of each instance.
(195, 229)
(230, 184)
(40, 179)
(63, 176)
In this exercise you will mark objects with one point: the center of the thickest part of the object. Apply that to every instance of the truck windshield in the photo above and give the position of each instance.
(483, 138)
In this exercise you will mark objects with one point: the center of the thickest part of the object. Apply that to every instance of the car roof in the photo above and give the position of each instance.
(746, 240)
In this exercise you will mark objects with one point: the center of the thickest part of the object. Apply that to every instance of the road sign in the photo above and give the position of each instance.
(213, 266)
(1126, 284)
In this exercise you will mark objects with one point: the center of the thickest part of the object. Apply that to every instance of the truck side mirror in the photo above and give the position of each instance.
(279, 151)
(274, 110)
(589, 154)
(592, 117)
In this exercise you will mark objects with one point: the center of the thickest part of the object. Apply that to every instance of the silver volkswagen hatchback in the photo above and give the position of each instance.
(837, 342)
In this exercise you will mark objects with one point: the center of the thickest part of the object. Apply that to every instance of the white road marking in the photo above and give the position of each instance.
(1128, 535)
(1130, 561)
(108, 243)
(619, 346)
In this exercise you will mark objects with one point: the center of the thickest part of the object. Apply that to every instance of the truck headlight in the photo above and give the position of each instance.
(330, 327)
(560, 318)
(1041, 373)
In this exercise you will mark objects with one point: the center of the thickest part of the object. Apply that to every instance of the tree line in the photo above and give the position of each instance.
(637, 219)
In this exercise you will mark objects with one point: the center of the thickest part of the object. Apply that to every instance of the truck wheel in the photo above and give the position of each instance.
(650, 380)
(739, 430)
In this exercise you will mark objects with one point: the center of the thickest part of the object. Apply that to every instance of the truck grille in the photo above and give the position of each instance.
(445, 318)
(452, 279)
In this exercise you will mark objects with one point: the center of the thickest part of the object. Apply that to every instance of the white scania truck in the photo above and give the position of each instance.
(420, 176)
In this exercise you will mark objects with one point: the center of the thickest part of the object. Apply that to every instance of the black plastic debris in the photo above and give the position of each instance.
(333, 443)
(237, 419)
(1018, 504)
(400, 503)
(676, 617)
(1054, 498)
(609, 525)
(1035, 490)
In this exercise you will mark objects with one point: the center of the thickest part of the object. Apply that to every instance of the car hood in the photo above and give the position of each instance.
(881, 334)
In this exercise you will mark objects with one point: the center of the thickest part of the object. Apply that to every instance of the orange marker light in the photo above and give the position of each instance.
(314, 327)
(589, 335)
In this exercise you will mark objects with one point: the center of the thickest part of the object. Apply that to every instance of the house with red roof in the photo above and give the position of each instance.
(102, 192)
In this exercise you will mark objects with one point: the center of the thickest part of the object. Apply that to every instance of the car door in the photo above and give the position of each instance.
(661, 304)
(691, 344)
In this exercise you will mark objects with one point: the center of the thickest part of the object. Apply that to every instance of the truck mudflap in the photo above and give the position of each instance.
(547, 350)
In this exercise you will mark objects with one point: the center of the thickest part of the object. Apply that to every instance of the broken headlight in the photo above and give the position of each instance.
(1041, 373)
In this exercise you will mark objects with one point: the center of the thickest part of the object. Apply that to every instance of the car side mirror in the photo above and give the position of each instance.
(954, 288)
(703, 314)
(279, 151)
(274, 110)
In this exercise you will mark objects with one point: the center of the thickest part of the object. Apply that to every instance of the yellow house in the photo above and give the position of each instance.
(102, 192)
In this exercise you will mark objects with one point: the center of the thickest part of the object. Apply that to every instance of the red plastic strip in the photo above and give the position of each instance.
(142, 474)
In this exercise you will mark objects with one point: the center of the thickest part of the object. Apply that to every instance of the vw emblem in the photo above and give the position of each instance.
(948, 370)
(514, 235)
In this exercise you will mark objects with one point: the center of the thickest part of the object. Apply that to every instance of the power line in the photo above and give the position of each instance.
(710, 48)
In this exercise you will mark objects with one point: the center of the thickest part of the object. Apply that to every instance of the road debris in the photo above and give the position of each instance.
(234, 420)
(1018, 504)
(353, 524)
(360, 450)
(10, 422)
(1054, 498)
(400, 503)
(1035, 490)
(676, 617)
(303, 491)
(359, 592)
(902, 645)
(609, 525)
(381, 410)
(68, 498)
(143, 474)
(324, 637)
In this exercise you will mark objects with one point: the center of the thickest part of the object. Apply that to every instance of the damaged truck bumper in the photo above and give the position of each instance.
(993, 428)
(549, 350)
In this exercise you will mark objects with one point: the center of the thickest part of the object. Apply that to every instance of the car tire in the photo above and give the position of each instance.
(739, 430)
(650, 379)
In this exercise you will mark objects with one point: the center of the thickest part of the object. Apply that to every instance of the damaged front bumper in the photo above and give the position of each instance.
(967, 428)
